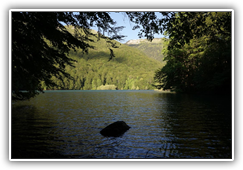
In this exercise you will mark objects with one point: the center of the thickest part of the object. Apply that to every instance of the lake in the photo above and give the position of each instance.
(67, 124)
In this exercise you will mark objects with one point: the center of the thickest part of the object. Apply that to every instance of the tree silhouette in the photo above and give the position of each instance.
(198, 55)
(41, 44)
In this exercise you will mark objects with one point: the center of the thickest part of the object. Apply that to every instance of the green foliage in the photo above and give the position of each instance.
(130, 69)
(44, 52)
(201, 62)
(41, 46)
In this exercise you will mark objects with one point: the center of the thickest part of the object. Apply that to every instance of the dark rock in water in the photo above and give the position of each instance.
(115, 129)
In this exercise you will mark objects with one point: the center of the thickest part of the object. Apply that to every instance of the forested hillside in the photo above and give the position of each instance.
(198, 52)
(151, 49)
(129, 69)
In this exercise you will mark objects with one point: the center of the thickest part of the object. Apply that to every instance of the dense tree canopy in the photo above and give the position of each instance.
(40, 44)
(198, 54)
(130, 69)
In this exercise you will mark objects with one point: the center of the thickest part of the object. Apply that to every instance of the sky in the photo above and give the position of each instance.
(123, 20)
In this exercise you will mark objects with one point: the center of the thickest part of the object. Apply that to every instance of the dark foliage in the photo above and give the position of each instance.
(41, 44)
(149, 23)
(198, 54)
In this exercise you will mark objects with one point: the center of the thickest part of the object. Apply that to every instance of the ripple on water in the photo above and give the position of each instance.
(57, 124)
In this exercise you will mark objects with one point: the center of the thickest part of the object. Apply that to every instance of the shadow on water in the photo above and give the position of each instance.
(196, 126)
(30, 131)
(163, 125)
(30, 136)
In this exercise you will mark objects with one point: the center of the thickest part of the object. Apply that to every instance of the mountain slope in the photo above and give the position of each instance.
(129, 69)
(151, 49)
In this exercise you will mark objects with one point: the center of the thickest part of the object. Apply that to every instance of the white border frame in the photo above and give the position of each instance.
(122, 10)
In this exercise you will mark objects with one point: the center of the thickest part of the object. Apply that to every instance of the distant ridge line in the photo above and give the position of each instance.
(138, 41)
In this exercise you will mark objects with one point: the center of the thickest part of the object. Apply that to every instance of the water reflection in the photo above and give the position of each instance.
(197, 127)
(163, 125)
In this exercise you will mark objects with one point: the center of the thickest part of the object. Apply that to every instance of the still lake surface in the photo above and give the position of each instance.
(66, 124)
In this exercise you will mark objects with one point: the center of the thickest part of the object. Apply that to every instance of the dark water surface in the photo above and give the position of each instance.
(66, 124)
